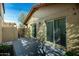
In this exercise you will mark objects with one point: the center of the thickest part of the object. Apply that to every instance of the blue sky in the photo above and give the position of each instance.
(12, 11)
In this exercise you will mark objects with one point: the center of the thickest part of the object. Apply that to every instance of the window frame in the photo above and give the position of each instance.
(52, 20)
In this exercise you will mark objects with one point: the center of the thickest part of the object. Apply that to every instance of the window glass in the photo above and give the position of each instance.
(62, 25)
(50, 31)
(56, 30)
(34, 30)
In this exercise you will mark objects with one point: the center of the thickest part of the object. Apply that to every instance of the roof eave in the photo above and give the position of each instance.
(33, 10)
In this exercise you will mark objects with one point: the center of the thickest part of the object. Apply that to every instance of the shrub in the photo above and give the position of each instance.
(71, 53)
(6, 49)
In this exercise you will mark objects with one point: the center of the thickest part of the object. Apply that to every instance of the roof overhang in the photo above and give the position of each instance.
(34, 9)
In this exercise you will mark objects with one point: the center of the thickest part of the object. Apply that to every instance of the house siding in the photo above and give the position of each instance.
(72, 24)
(1, 20)
(9, 32)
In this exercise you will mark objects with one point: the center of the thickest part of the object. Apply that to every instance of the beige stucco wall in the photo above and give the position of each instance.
(1, 20)
(0, 29)
(29, 27)
(58, 11)
(9, 32)
(27, 32)
(1, 10)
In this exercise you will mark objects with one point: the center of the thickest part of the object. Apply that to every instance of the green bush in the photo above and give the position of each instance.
(7, 49)
(71, 53)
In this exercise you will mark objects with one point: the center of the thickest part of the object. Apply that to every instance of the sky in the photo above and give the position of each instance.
(13, 10)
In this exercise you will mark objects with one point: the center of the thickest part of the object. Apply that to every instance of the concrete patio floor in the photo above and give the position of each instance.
(26, 47)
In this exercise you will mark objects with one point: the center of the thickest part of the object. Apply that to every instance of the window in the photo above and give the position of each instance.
(56, 31)
(34, 30)
(50, 31)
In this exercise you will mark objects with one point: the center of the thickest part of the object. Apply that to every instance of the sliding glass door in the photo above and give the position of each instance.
(56, 31)
(62, 25)
(50, 31)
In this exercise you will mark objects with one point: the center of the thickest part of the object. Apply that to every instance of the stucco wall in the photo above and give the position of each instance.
(29, 27)
(9, 34)
(73, 31)
(0, 29)
(1, 20)
(72, 25)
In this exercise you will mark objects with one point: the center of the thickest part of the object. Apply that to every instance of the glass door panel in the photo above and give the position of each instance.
(62, 25)
(50, 31)
(56, 31)
(60, 31)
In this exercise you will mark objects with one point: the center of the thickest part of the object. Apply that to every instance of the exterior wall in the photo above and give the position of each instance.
(71, 12)
(73, 31)
(9, 32)
(27, 32)
(1, 21)
(29, 27)
(1, 11)
(0, 29)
